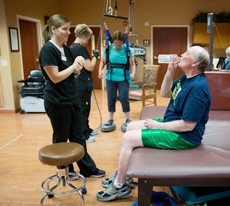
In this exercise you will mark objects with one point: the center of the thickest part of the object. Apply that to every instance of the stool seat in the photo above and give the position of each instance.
(63, 153)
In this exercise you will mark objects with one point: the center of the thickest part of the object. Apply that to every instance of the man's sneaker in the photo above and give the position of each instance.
(73, 177)
(109, 122)
(113, 193)
(94, 132)
(90, 139)
(100, 173)
(109, 181)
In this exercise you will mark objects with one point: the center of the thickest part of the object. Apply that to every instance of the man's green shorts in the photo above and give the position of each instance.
(162, 139)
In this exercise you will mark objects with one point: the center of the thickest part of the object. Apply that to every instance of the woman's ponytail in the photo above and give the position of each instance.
(46, 32)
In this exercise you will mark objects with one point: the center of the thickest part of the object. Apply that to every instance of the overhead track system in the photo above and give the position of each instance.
(138, 50)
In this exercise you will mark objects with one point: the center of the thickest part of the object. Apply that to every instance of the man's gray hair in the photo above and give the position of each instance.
(228, 51)
(203, 57)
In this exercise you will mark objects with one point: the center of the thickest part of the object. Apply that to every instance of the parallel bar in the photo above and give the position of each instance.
(119, 17)
(136, 35)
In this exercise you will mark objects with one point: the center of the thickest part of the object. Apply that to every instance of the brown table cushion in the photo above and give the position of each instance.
(63, 153)
(210, 159)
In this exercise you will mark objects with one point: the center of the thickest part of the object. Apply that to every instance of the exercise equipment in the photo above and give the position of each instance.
(32, 92)
(108, 128)
(105, 128)
(138, 50)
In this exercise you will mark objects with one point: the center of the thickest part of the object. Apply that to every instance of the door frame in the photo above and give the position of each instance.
(101, 38)
(152, 26)
(39, 36)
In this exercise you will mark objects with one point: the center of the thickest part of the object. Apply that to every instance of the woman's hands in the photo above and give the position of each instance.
(132, 76)
(96, 54)
(78, 64)
(100, 75)
(151, 124)
(101, 66)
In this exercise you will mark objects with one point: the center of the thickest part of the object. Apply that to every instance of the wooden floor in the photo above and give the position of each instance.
(21, 172)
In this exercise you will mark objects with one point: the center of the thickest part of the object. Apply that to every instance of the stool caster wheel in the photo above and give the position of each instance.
(84, 190)
(50, 196)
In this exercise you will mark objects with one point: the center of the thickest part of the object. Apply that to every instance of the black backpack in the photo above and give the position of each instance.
(221, 63)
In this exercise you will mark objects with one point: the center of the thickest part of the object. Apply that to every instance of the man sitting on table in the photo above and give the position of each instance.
(184, 121)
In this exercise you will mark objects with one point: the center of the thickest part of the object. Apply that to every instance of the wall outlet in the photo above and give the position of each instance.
(146, 23)
(4, 63)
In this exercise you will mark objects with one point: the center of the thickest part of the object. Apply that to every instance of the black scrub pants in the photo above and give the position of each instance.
(67, 125)
(85, 97)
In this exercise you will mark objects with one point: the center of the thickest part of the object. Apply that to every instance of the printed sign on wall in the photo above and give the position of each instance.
(146, 42)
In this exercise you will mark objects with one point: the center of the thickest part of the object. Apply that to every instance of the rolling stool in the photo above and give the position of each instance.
(60, 155)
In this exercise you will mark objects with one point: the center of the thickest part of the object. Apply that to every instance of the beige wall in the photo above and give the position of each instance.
(5, 72)
(35, 9)
(156, 12)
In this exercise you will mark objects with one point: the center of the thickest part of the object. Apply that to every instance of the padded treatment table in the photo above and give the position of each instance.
(207, 165)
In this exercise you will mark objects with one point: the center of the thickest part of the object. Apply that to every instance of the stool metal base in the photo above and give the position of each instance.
(63, 176)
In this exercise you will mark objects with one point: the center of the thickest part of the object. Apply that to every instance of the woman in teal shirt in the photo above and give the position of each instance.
(117, 76)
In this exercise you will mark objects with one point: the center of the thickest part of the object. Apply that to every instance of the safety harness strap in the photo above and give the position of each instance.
(116, 65)
(225, 64)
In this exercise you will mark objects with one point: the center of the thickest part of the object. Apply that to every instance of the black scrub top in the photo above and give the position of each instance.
(64, 93)
(84, 81)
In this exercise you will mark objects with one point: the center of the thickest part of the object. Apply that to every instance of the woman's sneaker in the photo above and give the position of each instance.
(90, 139)
(127, 121)
(109, 122)
(109, 181)
(113, 193)
(73, 177)
(100, 173)
(94, 132)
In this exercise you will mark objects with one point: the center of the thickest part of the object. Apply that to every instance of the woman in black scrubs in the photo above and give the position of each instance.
(61, 95)
(85, 81)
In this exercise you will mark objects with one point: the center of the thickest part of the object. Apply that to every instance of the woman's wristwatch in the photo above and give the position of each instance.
(134, 74)
(77, 73)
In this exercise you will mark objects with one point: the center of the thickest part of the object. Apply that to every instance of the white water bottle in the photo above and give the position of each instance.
(167, 59)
